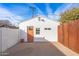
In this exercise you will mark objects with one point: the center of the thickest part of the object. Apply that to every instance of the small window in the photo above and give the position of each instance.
(42, 20)
(37, 30)
(47, 28)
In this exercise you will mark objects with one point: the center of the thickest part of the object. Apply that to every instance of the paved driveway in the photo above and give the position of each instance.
(34, 49)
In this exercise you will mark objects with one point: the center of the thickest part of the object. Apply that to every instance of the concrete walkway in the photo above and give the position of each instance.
(34, 49)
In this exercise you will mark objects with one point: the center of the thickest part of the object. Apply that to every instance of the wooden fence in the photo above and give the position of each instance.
(68, 35)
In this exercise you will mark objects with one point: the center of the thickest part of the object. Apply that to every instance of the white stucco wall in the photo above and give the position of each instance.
(50, 35)
(9, 37)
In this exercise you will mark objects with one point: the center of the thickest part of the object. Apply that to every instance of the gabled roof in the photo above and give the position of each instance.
(42, 16)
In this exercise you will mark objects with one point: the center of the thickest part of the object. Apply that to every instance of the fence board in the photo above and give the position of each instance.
(72, 36)
(77, 45)
(77, 36)
(60, 34)
(66, 38)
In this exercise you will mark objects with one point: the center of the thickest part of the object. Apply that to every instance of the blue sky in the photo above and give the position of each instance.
(21, 11)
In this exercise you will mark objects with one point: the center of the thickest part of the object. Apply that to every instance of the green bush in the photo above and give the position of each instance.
(70, 15)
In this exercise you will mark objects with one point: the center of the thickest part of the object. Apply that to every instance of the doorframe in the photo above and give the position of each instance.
(33, 34)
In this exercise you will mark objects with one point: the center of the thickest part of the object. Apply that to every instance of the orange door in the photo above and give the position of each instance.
(30, 34)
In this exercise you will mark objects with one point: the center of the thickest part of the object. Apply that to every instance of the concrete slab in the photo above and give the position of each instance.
(34, 49)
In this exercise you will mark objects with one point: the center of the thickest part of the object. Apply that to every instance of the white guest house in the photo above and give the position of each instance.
(38, 27)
